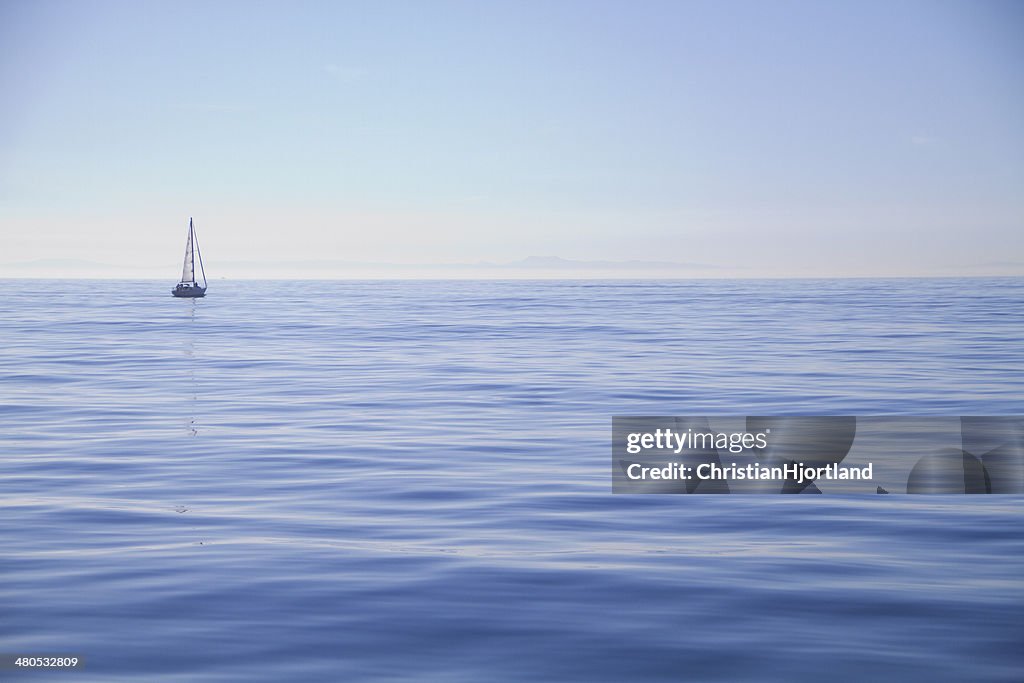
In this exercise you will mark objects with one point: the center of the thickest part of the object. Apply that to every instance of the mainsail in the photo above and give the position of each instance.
(188, 273)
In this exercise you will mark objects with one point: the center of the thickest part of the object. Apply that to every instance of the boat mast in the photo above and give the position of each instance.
(192, 246)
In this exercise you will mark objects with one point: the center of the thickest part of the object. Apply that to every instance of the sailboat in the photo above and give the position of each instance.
(189, 286)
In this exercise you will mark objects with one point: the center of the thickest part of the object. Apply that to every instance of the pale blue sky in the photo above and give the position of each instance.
(763, 138)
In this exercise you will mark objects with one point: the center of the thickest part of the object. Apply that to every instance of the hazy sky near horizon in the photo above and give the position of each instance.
(785, 138)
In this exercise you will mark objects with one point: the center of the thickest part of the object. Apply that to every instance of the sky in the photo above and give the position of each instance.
(717, 139)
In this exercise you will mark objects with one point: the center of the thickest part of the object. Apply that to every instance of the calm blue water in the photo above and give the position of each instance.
(410, 480)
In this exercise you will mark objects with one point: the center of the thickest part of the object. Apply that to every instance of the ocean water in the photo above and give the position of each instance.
(393, 481)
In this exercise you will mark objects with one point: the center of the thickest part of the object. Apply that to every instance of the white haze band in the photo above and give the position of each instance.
(791, 472)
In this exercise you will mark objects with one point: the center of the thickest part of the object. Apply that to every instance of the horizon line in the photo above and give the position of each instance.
(519, 279)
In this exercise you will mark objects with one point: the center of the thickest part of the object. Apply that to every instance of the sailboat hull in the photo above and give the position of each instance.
(189, 292)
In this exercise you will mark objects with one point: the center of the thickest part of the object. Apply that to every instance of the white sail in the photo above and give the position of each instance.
(197, 258)
(188, 273)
